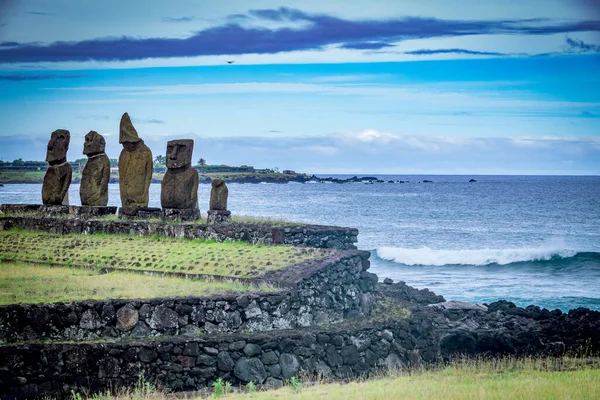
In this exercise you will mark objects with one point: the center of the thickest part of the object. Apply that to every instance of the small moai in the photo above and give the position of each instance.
(135, 167)
(218, 212)
(96, 173)
(55, 189)
(179, 187)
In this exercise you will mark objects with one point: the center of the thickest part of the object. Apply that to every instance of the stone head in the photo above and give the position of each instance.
(217, 183)
(127, 133)
(94, 143)
(179, 153)
(58, 145)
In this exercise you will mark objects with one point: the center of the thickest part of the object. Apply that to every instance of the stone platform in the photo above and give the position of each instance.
(92, 211)
(218, 217)
(139, 212)
(181, 214)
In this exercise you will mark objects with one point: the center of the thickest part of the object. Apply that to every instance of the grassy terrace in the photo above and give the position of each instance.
(515, 379)
(155, 253)
(26, 283)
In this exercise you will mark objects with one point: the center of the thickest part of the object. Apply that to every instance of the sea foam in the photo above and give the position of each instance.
(428, 256)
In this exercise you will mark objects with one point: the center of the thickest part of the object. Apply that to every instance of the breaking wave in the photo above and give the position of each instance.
(428, 256)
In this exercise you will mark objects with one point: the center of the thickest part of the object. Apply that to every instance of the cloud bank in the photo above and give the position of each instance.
(296, 31)
(364, 152)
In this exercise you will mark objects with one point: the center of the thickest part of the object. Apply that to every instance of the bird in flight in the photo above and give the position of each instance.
(230, 62)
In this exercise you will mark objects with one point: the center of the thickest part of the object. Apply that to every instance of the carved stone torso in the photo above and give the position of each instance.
(56, 184)
(135, 173)
(179, 189)
(94, 181)
(218, 195)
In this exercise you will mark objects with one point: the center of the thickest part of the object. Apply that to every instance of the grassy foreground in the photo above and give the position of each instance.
(25, 283)
(155, 253)
(514, 379)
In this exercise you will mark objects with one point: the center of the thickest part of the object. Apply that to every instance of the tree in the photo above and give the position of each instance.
(18, 163)
(160, 159)
(202, 162)
(82, 162)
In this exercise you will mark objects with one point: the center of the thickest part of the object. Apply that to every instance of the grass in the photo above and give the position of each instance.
(26, 283)
(22, 176)
(510, 378)
(153, 253)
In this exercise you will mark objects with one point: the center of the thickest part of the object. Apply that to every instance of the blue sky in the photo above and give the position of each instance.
(464, 87)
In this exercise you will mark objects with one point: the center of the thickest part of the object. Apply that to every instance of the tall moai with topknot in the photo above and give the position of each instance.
(93, 190)
(135, 166)
(55, 189)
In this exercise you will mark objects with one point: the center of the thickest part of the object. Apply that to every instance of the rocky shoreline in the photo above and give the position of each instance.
(498, 328)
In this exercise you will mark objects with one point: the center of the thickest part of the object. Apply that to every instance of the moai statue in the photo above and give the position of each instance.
(55, 189)
(96, 173)
(179, 188)
(218, 213)
(218, 195)
(135, 166)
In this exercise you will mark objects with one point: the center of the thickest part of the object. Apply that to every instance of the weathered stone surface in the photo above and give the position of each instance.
(127, 318)
(459, 305)
(178, 214)
(252, 349)
(135, 166)
(225, 362)
(250, 369)
(55, 188)
(218, 217)
(290, 366)
(93, 190)
(218, 195)
(163, 317)
(135, 212)
(91, 211)
(90, 320)
(141, 330)
(179, 187)
(147, 354)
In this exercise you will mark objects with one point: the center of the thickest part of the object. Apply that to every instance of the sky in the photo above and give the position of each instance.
(349, 87)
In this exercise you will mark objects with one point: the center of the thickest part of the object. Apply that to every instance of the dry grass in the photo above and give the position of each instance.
(510, 378)
(24, 283)
(156, 253)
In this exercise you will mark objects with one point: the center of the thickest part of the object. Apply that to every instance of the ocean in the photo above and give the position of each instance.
(525, 239)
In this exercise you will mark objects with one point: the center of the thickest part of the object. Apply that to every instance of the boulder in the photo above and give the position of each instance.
(250, 369)
(127, 318)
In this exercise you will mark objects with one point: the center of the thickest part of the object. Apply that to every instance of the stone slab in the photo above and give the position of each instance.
(218, 217)
(181, 214)
(19, 208)
(139, 212)
(92, 211)
(54, 210)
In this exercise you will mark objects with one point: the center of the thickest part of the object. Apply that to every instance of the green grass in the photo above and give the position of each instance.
(22, 176)
(514, 379)
(154, 253)
(26, 283)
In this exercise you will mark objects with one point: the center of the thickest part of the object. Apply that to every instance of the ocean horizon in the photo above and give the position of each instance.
(529, 239)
